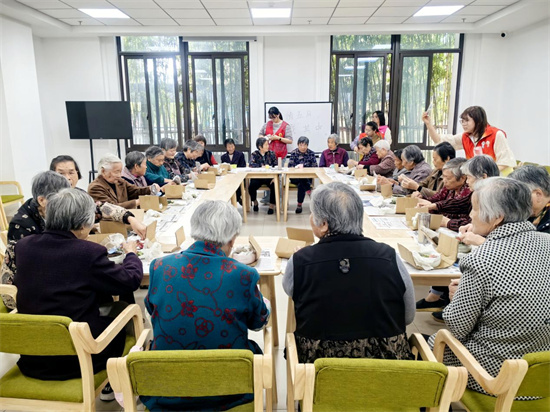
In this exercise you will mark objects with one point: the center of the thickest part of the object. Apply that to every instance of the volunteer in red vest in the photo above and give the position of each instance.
(278, 132)
(478, 138)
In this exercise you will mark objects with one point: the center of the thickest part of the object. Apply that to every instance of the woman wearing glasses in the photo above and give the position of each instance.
(277, 132)
(478, 138)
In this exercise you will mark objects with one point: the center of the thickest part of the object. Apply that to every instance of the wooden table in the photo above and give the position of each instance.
(303, 173)
(266, 174)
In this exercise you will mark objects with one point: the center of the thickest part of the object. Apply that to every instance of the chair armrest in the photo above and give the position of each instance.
(296, 370)
(267, 359)
(512, 370)
(9, 290)
(418, 343)
(142, 339)
(81, 330)
(13, 183)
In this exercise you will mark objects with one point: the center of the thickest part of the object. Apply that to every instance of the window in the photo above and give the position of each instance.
(400, 75)
(179, 89)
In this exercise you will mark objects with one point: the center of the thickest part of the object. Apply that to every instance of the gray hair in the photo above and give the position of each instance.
(70, 209)
(413, 154)
(477, 166)
(535, 177)
(192, 146)
(304, 140)
(503, 197)
(48, 183)
(382, 144)
(153, 151)
(455, 166)
(334, 137)
(134, 158)
(215, 221)
(107, 162)
(339, 206)
(168, 143)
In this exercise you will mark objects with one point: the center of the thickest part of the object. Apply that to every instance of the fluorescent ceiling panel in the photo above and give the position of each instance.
(437, 10)
(270, 13)
(105, 13)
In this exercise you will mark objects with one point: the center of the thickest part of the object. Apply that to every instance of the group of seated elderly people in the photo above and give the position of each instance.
(353, 296)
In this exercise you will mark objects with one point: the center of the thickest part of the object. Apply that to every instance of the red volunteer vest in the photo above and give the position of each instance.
(486, 143)
(276, 145)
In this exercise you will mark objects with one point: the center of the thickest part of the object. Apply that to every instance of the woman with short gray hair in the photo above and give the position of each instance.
(169, 149)
(135, 168)
(299, 158)
(334, 155)
(211, 292)
(500, 308)
(387, 163)
(369, 289)
(110, 187)
(61, 273)
(479, 168)
(30, 220)
(417, 170)
(156, 172)
(187, 158)
(537, 179)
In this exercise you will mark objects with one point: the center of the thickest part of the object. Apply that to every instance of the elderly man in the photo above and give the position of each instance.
(110, 187)
(387, 164)
(215, 298)
(538, 180)
(353, 297)
(334, 154)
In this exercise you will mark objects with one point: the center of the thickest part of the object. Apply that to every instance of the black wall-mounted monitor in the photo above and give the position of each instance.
(99, 120)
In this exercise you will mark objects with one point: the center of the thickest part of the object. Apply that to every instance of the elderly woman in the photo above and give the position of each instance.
(399, 169)
(417, 169)
(368, 154)
(500, 309)
(60, 273)
(261, 158)
(353, 297)
(110, 187)
(538, 181)
(218, 300)
(207, 158)
(29, 220)
(334, 154)
(299, 158)
(169, 149)
(387, 165)
(66, 166)
(187, 158)
(453, 201)
(232, 156)
(428, 187)
(156, 172)
(135, 168)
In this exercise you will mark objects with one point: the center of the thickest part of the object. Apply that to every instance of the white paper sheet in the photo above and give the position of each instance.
(266, 262)
(389, 223)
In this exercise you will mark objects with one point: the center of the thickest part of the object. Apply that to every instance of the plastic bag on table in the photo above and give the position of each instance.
(427, 257)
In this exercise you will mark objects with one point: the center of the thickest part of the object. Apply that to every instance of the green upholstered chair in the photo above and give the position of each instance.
(57, 335)
(14, 197)
(526, 377)
(343, 384)
(194, 373)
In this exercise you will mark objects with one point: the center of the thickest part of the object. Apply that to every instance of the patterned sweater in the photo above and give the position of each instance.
(257, 160)
(298, 158)
(455, 205)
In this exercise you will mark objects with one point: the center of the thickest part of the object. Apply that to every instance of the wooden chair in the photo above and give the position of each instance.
(12, 198)
(195, 373)
(3, 218)
(45, 335)
(343, 384)
(526, 377)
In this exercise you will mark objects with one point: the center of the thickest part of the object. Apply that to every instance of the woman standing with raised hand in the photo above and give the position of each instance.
(277, 132)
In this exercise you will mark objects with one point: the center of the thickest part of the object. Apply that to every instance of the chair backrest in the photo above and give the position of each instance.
(377, 384)
(191, 372)
(537, 379)
(35, 334)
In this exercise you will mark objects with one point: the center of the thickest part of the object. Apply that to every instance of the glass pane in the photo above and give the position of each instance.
(163, 99)
(443, 92)
(413, 99)
(357, 43)
(430, 41)
(149, 43)
(345, 99)
(229, 100)
(204, 99)
(370, 89)
(138, 101)
(217, 45)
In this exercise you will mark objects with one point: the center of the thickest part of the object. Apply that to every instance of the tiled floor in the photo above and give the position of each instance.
(261, 224)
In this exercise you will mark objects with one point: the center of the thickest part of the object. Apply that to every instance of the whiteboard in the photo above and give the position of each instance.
(310, 119)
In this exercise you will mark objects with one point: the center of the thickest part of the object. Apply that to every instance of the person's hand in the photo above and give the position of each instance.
(169, 181)
(137, 203)
(192, 176)
(464, 229)
(356, 149)
(424, 203)
(205, 166)
(453, 287)
(130, 247)
(426, 118)
(359, 166)
(444, 221)
(155, 188)
(416, 195)
(352, 163)
(138, 227)
(300, 166)
(381, 180)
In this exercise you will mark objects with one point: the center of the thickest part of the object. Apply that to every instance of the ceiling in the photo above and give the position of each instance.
(226, 16)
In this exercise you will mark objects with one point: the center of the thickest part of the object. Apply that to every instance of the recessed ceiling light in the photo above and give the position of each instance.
(105, 13)
(270, 13)
(437, 10)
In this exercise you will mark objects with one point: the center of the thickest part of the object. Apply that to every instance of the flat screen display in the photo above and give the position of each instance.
(99, 120)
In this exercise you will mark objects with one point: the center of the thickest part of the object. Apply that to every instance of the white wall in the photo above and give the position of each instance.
(510, 78)
(81, 69)
(21, 131)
